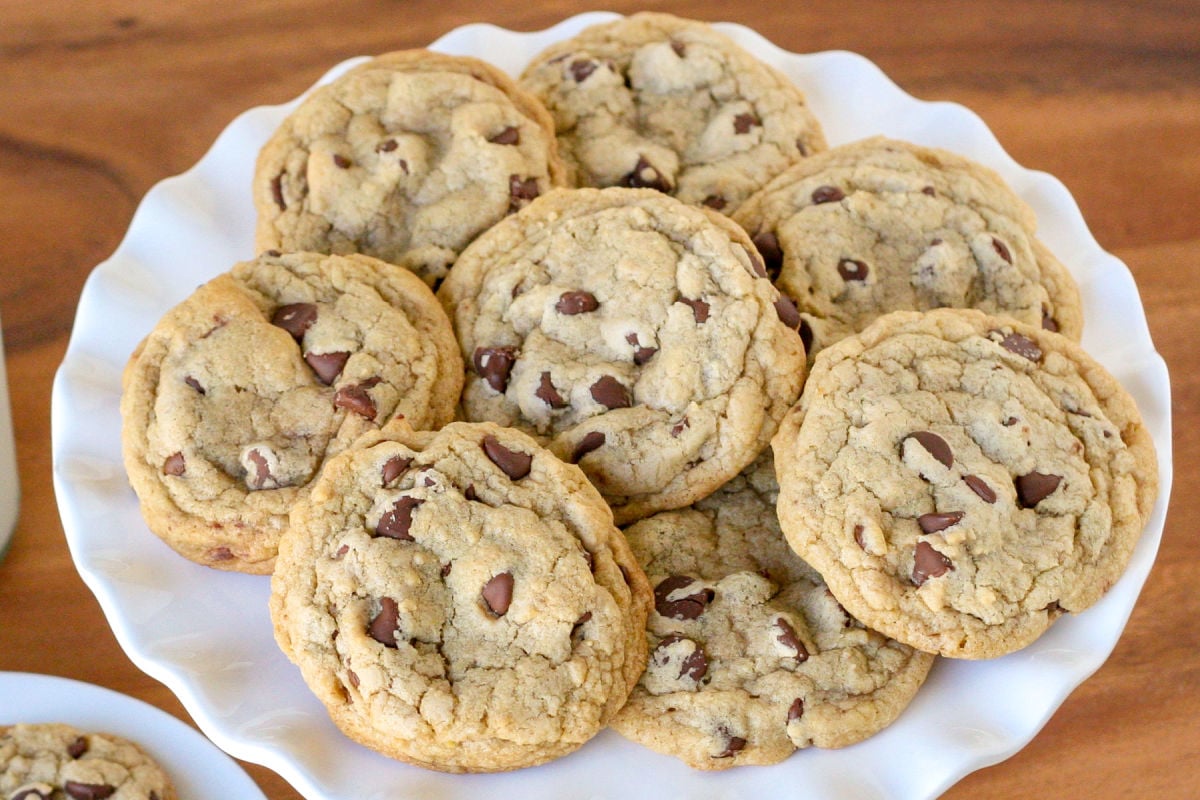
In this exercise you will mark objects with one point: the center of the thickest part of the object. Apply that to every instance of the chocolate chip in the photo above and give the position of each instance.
(827, 194)
(932, 523)
(355, 398)
(341, 161)
(679, 427)
(469, 493)
(218, 554)
(327, 365)
(611, 393)
(548, 394)
(789, 315)
(353, 678)
(277, 192)
(494, 364)
(577, 302)
(382, 627)
(695, 666)
(640, 354)
(678, 47)
(1048, 322)
(858, 537)
(688, 607)
(590, 441)
(510, 135)
(194, 384)
(935, 445)
(394, 467)
(699, 308)
(258, 471)
(806, 335)
(295, 318)
(979, 487)
(929, 190)
(714, 201)
(768, 246)
(928, 563)
(1035, 487)
(33, 793)
(386, 146)
(796, 710)
(174, 465)
(852, 270)
(1022, 346)
(742, 123)
(497, 593)
(581, 69)
(513, 463)
(788, 638)
(396, 522)
(1001, 249)
(733, 745)
(521, 191)
(88, 791)
(78, 747)
(645, 176)
(446, 569)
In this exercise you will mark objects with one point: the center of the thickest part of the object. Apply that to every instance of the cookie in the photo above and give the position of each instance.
(406, 157)
(656, 101)
(241, 392)
(752, 657)
(962, 480)
(460, 600)
(53, 760)
(883, 225)
(633, 334)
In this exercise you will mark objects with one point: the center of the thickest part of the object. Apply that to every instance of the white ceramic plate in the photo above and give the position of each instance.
(198, 769)
(207, 634)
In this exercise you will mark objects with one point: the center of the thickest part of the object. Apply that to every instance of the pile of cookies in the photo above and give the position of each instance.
(833, 397)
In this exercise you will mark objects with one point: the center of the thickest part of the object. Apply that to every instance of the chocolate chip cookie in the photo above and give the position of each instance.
(962, 480)
(53, 760)
(636, 336)
(242, 391)
(751, 656)
(884, 225)
(460, 600)
(406, 158)
(656, 101)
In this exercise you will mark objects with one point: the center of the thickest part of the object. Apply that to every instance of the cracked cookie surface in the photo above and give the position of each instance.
(961, 480)
(657, 101)
(752, 657)
(460, 600)
(53, 760)
(637, 336)
(242, 391)
(406, 157)
(884, 225)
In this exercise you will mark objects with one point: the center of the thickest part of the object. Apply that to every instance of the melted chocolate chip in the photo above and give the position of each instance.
(548, 394)
(645, 176)
(194, 384)
(1035, 487)
(928, 563)
(394, 467)
(733, 745)
(827, 194)
(742, 123)
(356, 399)
(590, 441)
(295, 318)
(513, 463)
(1001, 249)
(382, 627)
(88, 791)
(396, 522)
(688, 607)
(578, 302)
(581, 69)
(260, 476)
(699, 308)
(796, 710)
(932, 523)
(174, 465)
(768, 246)
(788, 638)
(497, 593)
(980, 487)
(327, 365)
(935, 445)
(852, 270)
(695, 666)
(510, 135)
(1022, 346)
(494, 364)
(640, 354)
(521, 191)
(611, 393)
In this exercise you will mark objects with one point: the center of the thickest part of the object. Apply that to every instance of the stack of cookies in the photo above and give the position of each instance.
(833, 397)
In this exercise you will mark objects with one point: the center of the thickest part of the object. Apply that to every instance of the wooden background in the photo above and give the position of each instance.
(99, 100)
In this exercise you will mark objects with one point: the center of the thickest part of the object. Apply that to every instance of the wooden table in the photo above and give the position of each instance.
(100, 99)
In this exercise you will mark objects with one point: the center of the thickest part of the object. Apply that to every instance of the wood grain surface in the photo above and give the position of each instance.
(101, 99)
